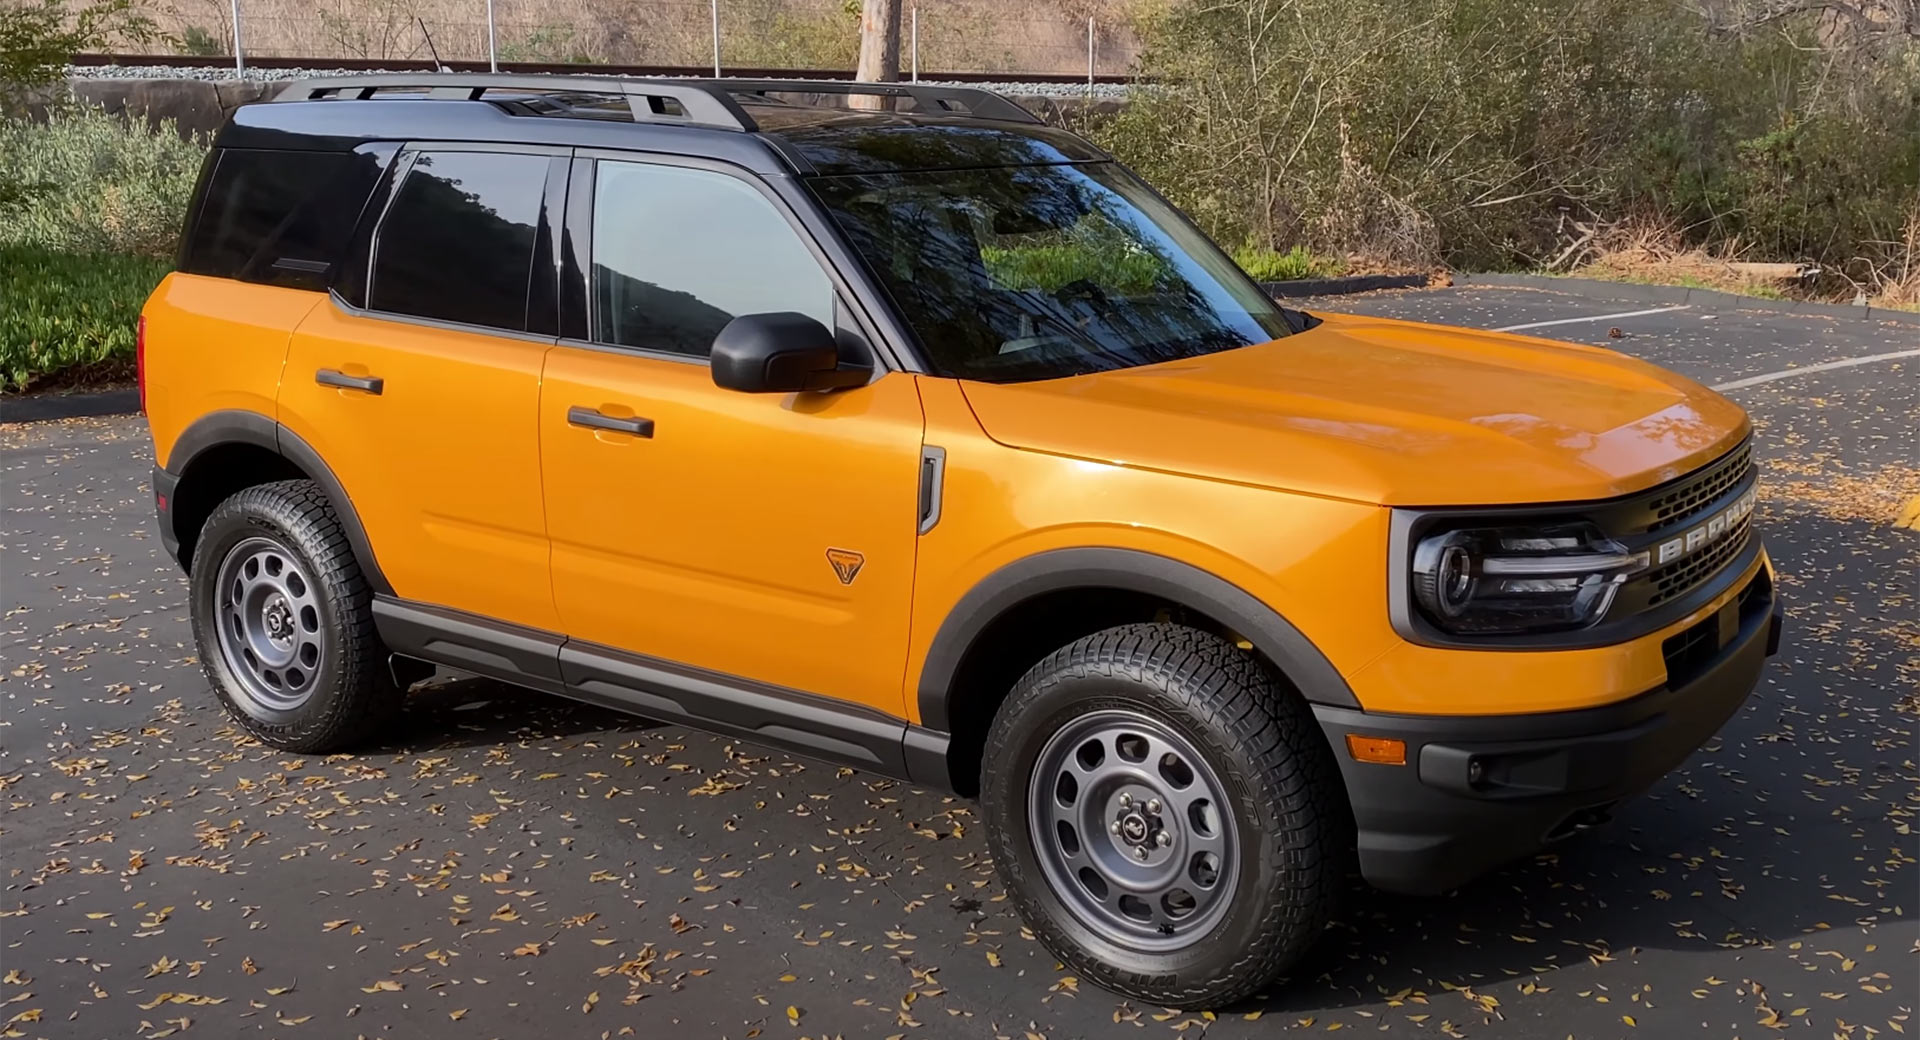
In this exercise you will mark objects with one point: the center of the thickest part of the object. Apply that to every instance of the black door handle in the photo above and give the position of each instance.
(330, 377)
(593, 420)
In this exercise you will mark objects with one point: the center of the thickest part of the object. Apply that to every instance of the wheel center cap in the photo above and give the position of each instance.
(1138, 828)
(278, 619)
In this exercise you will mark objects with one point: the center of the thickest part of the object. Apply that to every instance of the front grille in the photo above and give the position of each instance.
(1692, 495)
(1681, 576)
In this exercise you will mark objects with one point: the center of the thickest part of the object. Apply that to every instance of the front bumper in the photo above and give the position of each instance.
(1478, 791)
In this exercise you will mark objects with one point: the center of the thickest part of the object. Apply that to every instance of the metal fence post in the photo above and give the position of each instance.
(1089, 57)
(239, 62)
(493, 55)
(716, 39)
(916, 43)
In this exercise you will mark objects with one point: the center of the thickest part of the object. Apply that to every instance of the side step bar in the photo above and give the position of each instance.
(791, 720)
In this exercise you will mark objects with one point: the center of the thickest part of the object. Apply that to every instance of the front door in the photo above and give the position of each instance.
(769, 537)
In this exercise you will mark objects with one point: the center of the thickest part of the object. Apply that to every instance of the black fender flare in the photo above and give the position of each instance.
(1131, 570)
(235, 426)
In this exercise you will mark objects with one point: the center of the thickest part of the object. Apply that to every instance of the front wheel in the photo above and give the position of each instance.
(1165, 815)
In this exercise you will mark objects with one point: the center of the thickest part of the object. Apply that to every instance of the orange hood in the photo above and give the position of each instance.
(1381, 411)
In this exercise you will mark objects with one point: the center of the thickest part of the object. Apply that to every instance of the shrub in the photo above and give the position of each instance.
(61, 310)
(200, 43)
(1497, 133)
(89, 182)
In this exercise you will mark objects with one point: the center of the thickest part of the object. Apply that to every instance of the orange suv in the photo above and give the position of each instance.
(926, 439)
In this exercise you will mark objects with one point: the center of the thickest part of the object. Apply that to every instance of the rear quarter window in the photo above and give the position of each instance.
(280, 217)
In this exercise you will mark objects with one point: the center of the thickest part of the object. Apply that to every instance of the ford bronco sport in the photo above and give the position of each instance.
(931, 441)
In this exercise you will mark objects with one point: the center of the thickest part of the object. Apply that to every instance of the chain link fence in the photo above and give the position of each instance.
(1056, 37)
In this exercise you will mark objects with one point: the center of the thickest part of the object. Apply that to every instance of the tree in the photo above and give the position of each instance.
(879, 50)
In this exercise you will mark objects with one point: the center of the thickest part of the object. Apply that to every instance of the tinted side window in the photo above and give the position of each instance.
(280, 217)
(457, 240)
(678, 253)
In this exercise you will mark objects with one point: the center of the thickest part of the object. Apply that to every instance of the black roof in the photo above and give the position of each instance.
(769, 126)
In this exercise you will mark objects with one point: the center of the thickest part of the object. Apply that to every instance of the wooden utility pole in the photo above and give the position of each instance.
(879, 49)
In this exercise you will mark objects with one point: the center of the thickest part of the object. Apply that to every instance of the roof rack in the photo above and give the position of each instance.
(650, 101)
(691, 102)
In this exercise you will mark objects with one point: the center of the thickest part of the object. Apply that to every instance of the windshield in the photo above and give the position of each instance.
(1034, 272)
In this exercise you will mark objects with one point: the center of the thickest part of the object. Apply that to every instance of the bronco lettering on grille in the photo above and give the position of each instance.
(1717, 527)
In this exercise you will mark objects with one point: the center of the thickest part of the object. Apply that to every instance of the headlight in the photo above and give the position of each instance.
(1492, 581)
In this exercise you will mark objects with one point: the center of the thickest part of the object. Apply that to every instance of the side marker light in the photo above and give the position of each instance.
(1384, 750)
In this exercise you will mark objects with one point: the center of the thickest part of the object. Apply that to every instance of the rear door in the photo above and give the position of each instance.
(418, 381)
(768, 537)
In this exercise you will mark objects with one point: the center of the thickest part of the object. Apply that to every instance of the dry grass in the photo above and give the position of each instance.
(1896, 283)
(1652, 252)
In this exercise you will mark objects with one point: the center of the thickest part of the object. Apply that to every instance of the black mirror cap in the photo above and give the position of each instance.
(781, 352)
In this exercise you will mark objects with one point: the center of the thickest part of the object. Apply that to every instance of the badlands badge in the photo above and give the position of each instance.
(846, 564)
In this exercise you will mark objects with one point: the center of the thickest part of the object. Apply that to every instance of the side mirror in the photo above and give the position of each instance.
(781, 353)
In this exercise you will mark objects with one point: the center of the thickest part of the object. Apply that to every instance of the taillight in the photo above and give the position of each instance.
(140, 358)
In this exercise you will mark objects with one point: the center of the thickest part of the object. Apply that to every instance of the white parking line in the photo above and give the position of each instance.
(1591, 317)
(1788, 373)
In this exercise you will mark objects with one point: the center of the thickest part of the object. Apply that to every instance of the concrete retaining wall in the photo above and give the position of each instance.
(196, 106)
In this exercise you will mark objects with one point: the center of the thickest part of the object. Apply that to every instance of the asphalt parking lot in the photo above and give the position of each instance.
(509, 865)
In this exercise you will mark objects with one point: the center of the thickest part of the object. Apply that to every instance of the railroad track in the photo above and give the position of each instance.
(181, 61)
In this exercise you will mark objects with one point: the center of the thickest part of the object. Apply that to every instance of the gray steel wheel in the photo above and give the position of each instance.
(269, 623)
(1131, 827)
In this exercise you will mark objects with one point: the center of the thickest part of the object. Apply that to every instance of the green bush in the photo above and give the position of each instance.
(88, 182)
(60, 310)
(1267, 265)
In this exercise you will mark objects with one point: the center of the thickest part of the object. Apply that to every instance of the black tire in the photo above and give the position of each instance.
(1269, 762)
(349, 695)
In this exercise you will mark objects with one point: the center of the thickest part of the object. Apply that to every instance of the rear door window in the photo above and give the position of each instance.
(457, 241)
(281, 217)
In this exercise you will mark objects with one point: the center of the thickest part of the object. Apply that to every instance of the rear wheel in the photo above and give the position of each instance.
(284, 622)
(1166, 816)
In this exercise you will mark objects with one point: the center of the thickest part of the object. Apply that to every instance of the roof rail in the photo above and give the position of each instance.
(700, 102)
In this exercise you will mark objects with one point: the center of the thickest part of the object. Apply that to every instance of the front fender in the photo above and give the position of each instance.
(1135, 571)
